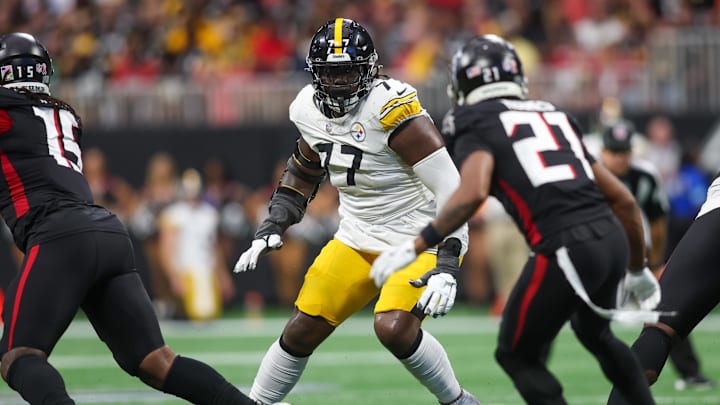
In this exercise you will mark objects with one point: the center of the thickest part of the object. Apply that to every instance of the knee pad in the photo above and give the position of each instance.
(505, 357)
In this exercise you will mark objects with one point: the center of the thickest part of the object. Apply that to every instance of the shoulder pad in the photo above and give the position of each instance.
(303, 100)
(394, 102)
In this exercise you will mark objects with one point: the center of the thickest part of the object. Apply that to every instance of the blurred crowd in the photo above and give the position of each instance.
(190, 226)
(121, 40)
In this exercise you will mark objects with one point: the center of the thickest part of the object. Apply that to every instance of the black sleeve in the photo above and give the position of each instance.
(466, 145)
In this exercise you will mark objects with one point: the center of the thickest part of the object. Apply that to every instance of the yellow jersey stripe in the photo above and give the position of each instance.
(338, 35)
(400, 113)
(395, 101)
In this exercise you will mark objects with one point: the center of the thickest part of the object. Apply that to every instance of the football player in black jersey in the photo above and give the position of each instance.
(528, 154)
(77, 254)
(642, 179)
(690, 286)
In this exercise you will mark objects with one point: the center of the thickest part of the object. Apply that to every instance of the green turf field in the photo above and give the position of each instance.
(352, 368)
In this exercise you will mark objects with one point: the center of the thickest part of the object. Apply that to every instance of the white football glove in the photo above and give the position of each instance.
(639, 289)
(391, 261)
(248, 260)
(439, 296)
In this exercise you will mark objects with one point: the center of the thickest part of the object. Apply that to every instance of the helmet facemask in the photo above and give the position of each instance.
(340, 83)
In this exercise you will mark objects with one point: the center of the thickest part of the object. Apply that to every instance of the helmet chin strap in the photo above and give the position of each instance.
(33, 87)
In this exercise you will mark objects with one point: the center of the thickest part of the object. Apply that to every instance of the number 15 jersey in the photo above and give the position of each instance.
(542, 173)
(43, 193)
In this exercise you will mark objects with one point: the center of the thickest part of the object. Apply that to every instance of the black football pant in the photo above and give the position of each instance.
(691, 280)
(94, 271)
(690, 286)
(543, 300)
(685, 359)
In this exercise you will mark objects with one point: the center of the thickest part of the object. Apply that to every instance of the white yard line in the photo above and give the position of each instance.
(357, 326)
(271, 327)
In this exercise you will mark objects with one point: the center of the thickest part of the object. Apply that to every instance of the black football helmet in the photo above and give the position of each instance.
(24, 62)
(486, 67)
(342, 60)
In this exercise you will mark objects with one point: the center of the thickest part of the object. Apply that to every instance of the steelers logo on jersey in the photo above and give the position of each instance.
(357, 131)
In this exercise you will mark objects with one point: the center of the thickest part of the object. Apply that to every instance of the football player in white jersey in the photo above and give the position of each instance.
(372, 138)
(190, 252)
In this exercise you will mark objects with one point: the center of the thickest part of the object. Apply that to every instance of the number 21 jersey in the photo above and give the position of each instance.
(542, 172)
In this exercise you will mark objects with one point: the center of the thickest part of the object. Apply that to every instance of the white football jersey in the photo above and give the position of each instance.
(197, 227)
(382, 201)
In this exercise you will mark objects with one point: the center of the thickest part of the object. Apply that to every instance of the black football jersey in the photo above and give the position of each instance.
(542, 175)
(43, 192)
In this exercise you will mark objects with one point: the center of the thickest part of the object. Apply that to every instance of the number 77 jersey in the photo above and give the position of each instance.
(542, 174)
(382, 201)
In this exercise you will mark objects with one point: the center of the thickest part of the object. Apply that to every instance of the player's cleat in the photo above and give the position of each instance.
(697, 382)
(466, 398)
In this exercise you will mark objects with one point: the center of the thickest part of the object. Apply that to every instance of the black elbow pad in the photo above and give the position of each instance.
(287, 207)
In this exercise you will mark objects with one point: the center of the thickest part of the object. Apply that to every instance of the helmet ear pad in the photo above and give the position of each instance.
(453, 95)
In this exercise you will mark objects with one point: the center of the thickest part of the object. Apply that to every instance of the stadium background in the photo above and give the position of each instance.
(205, 84)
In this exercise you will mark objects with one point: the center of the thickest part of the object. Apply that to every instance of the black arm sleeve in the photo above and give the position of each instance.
(448, 256)
(287, 207)
(287, 204)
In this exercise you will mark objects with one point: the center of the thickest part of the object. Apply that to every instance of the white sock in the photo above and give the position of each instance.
(278, 373)
(431, 366)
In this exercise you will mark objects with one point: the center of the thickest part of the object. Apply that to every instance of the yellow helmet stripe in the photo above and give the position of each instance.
(338, 34)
